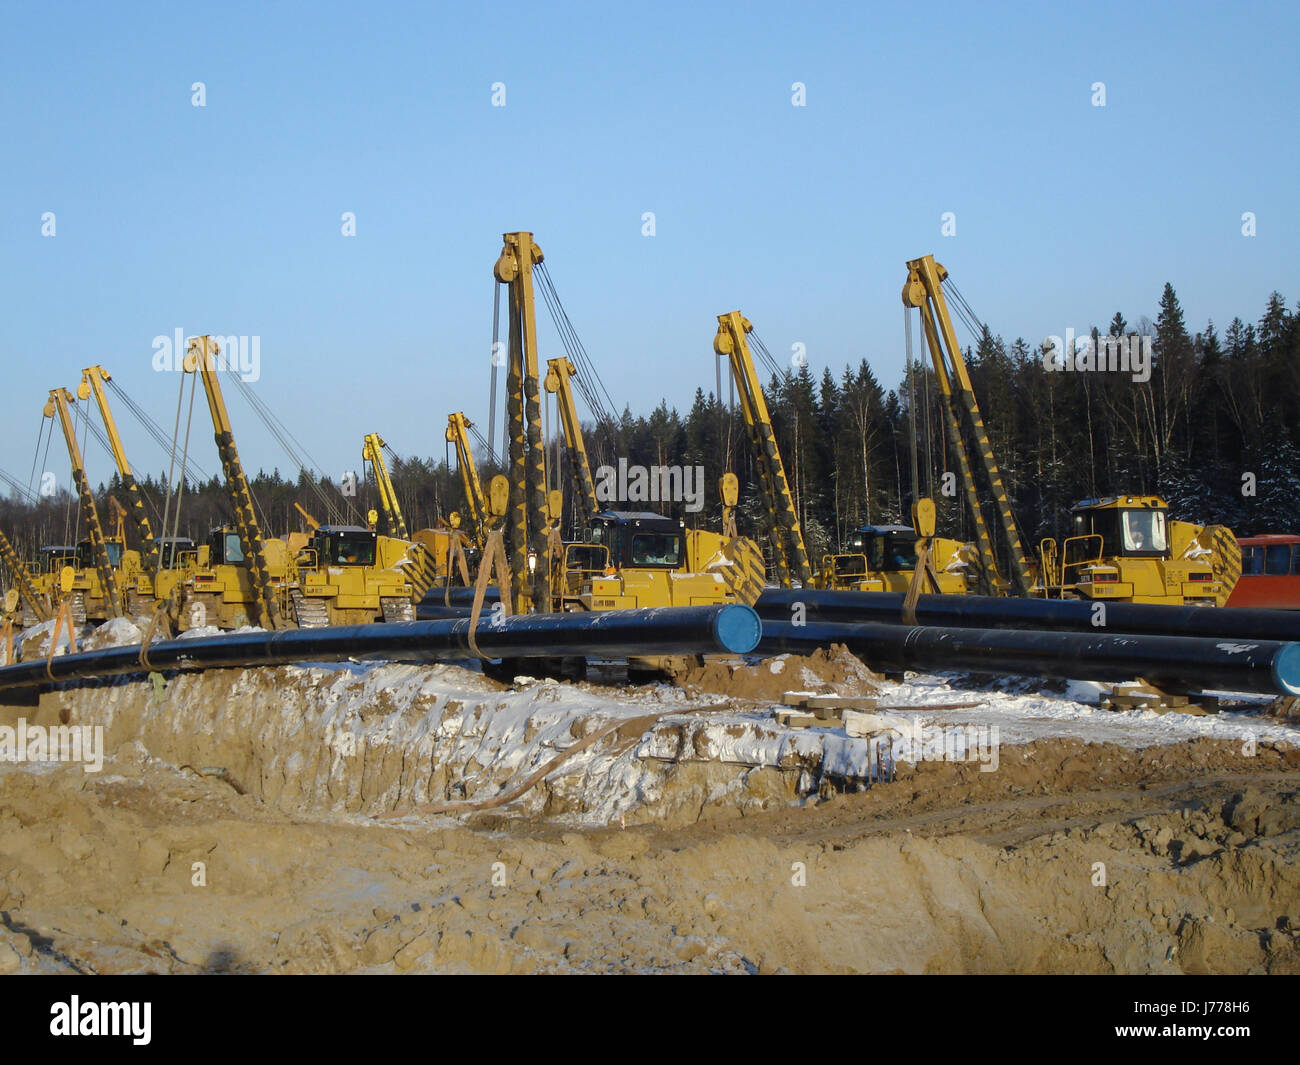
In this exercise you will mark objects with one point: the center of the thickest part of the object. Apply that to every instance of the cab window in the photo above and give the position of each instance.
(352, 551)
(1252, 561)
(1103, 524)
(656, 549)
(900, 554)
(588, 557)
(1277, 560)
(1144, 530)
(609, 536)
(234, 552)
(850, 566)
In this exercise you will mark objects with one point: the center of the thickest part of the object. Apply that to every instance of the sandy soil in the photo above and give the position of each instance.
(231, 830)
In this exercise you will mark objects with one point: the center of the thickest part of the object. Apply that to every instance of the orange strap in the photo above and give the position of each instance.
(64, 614)
(494, 558)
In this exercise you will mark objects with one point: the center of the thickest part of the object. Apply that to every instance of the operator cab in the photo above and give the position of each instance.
(171, 548)
(86, 554)
(224, 548)
(344, 545)
(55, 556)
(1129, 526)
(639, 539)
(887, 548)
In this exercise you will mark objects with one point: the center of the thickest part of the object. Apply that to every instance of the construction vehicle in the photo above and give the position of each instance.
(476, 503)
(529, 519)
(875, 558)
(151, 580)
(372, 452)
(238, 578)
(882, 558)
(558, 382)
(93, 590)
(343, 574)
(35, 607)
(220, 589)
(789, 554)
(425, 556)
(1121, 549)
(634, 558)
(53, 575)
(350, 575)
(138, 567)
(1126, 549)
(638, 559)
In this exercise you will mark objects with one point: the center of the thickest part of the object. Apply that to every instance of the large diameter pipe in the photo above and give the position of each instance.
(438, 612)
(730, 628)
(1266, 667)
(459, 595)
(1069, 615)
(436, 604)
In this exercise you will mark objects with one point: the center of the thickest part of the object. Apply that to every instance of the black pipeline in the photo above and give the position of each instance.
(1267, 667)
(1073, 615)
(459, 602)
(725, 629)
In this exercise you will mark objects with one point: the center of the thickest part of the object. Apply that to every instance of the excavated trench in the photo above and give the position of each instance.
(280, 820)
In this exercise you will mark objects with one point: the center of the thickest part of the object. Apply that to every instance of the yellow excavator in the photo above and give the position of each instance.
(476, 503)
(1121, 549)
(876, 558)
(350, 575)
(639, 558)
(238, 578)
(35, 607)
(153, 575)
(91, 583)
(53, 575)
(1127, 549)
(337, 575)
(627, 559)
(424, 558)
(531, 513)
(347, 575)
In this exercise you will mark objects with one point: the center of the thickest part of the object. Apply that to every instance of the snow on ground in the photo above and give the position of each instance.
(116, 632)
(203, 632)
(1020, 717)
(1024, 717)
(451, 718)
(489, 739)
(35, 640)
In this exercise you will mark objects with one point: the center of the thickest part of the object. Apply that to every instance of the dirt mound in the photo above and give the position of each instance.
(827, 671)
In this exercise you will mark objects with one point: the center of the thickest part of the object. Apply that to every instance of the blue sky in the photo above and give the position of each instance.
(226, 218)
